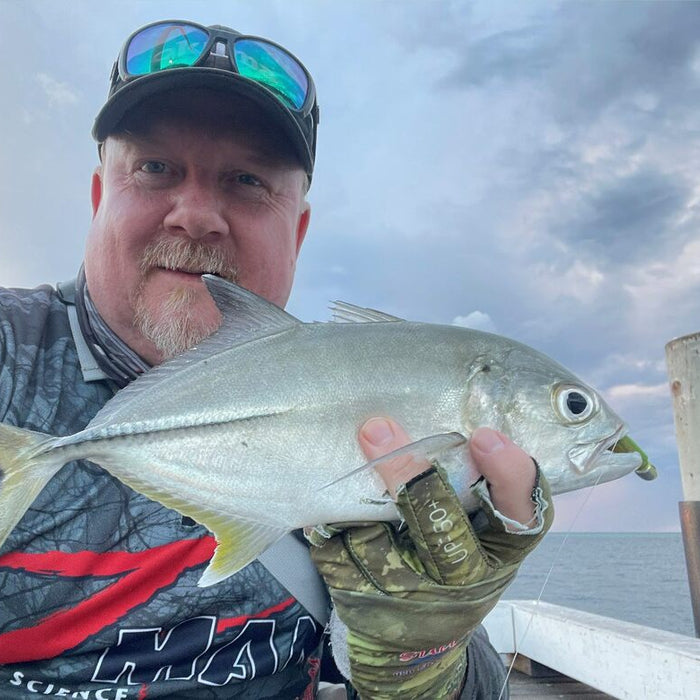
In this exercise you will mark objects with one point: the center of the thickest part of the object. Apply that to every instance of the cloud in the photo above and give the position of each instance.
(627, 218)
(587, 59)
(58, 94)
(630, 368)
(629, 504)
(536, 163)
(579, 281)
(477, 320)
(664, 294)
(633, 392)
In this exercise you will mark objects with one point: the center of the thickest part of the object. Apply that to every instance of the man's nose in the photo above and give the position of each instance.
(198, 211)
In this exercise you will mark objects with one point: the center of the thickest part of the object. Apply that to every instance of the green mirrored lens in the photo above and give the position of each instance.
(164, 46)
(274, 68)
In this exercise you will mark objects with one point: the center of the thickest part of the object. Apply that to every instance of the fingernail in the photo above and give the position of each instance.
(487, 440)
(378, 432)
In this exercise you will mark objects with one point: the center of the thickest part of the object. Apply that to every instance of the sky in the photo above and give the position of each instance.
(526, 168)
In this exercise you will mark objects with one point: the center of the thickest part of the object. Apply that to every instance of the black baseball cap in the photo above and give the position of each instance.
(174, 55)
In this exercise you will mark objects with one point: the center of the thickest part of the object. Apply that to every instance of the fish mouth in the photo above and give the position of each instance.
(613, 456)
(601, 453)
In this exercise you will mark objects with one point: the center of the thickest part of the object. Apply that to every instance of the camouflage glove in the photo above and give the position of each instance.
(406, 600)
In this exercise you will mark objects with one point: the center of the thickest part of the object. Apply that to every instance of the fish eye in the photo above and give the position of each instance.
(575, 404)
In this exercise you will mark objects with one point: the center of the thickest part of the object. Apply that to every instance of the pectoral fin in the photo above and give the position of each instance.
(238, 543)
(427, 449)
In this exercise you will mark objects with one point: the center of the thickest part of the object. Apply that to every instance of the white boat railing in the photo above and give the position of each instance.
(619, 658)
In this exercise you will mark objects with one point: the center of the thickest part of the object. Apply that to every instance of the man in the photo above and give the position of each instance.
(207, 145)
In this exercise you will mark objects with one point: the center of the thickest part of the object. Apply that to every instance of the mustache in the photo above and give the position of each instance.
(186, 255)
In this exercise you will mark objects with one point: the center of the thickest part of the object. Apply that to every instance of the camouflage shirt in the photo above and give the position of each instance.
(98, 583)
(98, 594)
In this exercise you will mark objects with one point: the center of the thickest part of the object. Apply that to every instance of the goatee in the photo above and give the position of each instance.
(178, 324)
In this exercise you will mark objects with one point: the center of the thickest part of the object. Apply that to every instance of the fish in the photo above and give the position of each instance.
(253, 432)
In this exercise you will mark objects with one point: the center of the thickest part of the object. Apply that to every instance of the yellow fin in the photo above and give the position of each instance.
(238, 543)
(26, 466)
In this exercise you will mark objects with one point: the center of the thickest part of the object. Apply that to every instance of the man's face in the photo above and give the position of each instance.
(190, 196)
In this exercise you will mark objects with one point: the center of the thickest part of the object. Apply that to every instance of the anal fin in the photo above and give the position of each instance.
(238, 543)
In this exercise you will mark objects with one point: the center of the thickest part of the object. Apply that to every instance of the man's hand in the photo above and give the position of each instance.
(406, 600)
(508, 471)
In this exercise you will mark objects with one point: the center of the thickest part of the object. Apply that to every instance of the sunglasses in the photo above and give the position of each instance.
(172, 44)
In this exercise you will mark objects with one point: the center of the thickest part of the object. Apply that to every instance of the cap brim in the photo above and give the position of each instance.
(130, 95)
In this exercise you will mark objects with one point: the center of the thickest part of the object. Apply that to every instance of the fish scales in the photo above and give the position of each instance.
(224, 431)
(296, 430)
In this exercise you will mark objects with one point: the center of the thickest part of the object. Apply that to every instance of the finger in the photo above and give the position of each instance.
(446, 546)
(318, 535)
(442, 534)
(378, 437)
(508, 470)
(356, 558)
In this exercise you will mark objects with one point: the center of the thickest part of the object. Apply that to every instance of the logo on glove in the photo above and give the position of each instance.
(416, 656)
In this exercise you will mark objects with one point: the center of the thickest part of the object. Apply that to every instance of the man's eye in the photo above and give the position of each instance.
(153, 166)
(248, 179)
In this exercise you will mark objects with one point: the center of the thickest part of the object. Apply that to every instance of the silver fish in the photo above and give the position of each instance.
(253, 432)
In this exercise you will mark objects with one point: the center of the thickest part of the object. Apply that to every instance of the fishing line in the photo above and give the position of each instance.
(555, 560)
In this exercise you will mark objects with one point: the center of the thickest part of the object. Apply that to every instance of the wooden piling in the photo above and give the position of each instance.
(683, 363)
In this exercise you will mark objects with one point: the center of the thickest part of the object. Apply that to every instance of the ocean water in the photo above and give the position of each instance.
(636, 577)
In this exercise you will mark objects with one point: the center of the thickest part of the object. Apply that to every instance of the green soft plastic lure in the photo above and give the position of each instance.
(646, 470)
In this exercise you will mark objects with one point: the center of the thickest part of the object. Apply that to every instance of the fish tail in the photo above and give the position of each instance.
(26, 466)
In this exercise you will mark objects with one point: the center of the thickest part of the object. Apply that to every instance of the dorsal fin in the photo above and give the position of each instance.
(245, 314)
(244, 317)
(343, 312)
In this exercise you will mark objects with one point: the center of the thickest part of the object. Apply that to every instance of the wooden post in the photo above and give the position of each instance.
(683, 362)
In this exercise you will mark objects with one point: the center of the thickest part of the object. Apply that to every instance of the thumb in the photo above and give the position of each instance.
(380, 436)
(509, 471)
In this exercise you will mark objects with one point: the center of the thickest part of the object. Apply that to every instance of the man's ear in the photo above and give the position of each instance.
(303, 224)
(96, 189)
